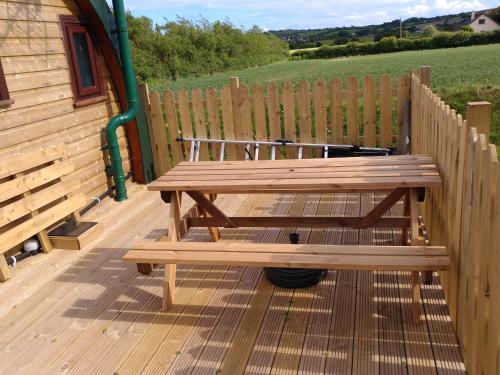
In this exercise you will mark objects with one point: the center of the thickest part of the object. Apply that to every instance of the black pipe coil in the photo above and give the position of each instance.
(294, 278)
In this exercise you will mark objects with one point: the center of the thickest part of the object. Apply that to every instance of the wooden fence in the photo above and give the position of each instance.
(464, 216)
(323, 113)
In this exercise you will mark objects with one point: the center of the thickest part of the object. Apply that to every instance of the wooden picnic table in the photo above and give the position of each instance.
(402, 177)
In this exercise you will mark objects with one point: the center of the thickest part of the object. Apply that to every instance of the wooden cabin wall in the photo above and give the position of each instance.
(38, 79)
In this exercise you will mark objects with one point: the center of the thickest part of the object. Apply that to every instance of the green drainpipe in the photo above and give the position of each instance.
(132, 99)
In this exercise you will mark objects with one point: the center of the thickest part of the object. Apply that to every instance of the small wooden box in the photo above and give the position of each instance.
(74, 237)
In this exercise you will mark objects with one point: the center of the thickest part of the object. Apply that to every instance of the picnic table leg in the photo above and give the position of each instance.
(415, 275)
(172, 236)
(406, 212)
(4, 269)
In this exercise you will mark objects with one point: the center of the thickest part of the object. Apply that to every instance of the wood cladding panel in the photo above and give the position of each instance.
(34, 80)
(29, 29)
(30, 47)
(27, 64)
(18, 11)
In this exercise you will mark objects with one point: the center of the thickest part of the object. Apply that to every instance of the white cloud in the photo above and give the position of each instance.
(417, 9)
(452, 6)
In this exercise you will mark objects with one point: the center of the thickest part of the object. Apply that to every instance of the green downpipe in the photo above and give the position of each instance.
(132, 99)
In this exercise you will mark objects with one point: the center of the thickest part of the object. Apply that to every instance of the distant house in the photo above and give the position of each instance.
(482, 22)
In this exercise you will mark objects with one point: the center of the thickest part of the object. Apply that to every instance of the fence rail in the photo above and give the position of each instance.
(351, 112)
(465, 216)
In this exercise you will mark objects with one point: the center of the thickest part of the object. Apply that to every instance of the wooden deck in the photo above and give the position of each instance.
(88, 312)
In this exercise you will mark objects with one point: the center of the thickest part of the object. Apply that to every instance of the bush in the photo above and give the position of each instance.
(387, 44)
(430, 30)
(392, 44)
(184, 48)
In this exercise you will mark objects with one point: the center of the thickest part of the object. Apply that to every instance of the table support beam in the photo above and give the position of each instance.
(376, 213)
(207, 206)
(303, 222)
(212, 230)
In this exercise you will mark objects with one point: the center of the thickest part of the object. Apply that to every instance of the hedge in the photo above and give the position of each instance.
(391, 44)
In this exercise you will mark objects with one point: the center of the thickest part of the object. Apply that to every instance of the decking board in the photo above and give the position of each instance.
(100, 316)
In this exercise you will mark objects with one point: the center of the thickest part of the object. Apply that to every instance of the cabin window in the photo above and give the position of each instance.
(4, 91)
(84, 68)
(482, 21)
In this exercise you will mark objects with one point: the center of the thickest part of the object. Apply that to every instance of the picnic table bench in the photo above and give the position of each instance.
(402, 177)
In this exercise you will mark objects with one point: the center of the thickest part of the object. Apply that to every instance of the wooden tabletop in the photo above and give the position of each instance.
(307, 175)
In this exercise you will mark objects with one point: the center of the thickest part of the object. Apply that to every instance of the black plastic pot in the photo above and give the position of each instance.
(294, 278)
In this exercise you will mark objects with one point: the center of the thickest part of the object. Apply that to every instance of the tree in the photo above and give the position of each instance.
(467, 29)
(495, 14)
(430, 30)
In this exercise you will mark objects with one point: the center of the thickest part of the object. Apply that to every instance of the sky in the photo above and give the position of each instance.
(301, 14)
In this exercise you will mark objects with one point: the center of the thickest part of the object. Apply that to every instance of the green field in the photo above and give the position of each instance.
(459, 74)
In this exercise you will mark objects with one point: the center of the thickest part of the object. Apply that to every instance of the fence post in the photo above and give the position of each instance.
(415, 111)
(235, 100)
(479, 117)
(426, 75)
(144, 97)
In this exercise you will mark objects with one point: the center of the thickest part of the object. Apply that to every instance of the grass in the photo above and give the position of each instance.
(459, 75)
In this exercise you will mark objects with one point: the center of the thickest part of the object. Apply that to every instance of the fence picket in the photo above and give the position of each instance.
(273, 104)
(259, 111)
(456, 218)
(172, 126)
(213, 119)
(185, 115)
(352, 111)
(235, 103)
(465, 256)
(485, 236)
(320, 125)
(304, 103)
(144, 96)
(227, 119)
(403, 105)
(474, 253)
(245, 113)
(336, 110)
(369, 129)
(199, 121)
(289, 115)
(386, 111)
(159, 136)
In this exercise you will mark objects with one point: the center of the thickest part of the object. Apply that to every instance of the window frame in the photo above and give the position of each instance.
(71, 25)
(482, 21)
(5, 99)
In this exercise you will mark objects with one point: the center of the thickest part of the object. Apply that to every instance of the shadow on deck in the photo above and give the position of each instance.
(100, 316)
